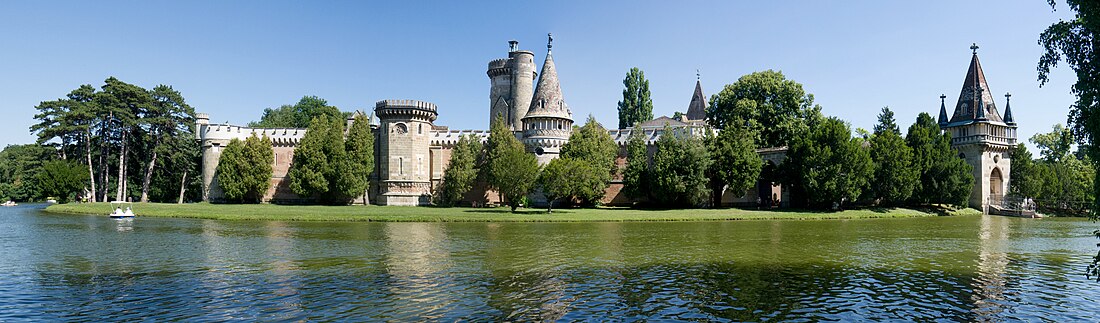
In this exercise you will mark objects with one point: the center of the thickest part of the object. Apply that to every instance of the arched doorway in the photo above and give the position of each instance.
(996, 186)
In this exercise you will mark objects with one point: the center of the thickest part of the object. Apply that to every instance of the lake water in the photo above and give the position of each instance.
(971, 268)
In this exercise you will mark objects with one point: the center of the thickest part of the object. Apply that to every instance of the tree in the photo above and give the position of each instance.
(736, 165)
(515, 172)
(124, 104)
(636, 105)
(244, 170)
(679, 172)
(168, 115)
(299, 115)
(320, 163)
(944, 178)
(19, 164)
(774, 108)
(1025, 179)
(360, 159)
(895, 175)
(1054, 145)
(60, 179)
(636, 175)
(829, 166)
(1075, 41)
(461, 171)
(568, 178)
(508, 167)
(592, 144)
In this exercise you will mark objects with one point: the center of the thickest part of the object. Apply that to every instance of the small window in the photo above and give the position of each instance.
(401, 129)
(420, 129)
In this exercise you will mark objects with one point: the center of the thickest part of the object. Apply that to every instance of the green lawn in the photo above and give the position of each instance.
(435, 214)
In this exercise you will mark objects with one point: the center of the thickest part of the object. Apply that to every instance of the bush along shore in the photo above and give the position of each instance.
(359, 213)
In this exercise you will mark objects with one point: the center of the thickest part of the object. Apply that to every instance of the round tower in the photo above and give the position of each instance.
(404, 134)
(500, 90)
(523, 82)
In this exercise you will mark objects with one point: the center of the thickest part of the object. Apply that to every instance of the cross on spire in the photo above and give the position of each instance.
(974, 47)
(549, 41)
(697, 77)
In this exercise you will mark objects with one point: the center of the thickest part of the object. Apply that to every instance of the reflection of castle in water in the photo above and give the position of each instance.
(989, 296)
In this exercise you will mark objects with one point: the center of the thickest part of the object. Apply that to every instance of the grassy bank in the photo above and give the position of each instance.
(433, 214)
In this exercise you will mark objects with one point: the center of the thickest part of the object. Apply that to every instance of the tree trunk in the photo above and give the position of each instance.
(121, 170)
(91, 171)
(148, 176)
(183, 187)
(549, 205)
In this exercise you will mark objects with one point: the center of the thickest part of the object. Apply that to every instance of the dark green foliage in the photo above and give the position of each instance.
(508, 167)
(736, 164)
(320, 163)
(298, 115)
(461, 172)
(61, 180)
(944, 177)
(829, 166)
(360, 159)
(636, 176)
(244, 170)
(1025, 177)
(679, 171)
(636, 105)
(895, 176)
(1063, 182)
(19, 164)
(592, 144)
(1054, 145)
(570, 178)
(774, 108)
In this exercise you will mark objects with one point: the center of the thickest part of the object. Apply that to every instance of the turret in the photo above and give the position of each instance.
(404, 136)
(511, 86)
(548, 122)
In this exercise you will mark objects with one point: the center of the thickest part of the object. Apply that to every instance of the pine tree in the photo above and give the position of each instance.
(636, 106)
(360, 159)
(895, 176)
(320, 163)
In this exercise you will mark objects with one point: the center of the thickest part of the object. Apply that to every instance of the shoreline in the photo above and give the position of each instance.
(374, 213)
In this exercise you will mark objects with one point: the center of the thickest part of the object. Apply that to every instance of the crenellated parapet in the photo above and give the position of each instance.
(499, 67)
(413, 109)
(223, 133)
(448, 138)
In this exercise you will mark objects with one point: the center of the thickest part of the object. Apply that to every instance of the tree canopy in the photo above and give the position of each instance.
(774, 108)
(636, 106)
(944, 177)
(895, 175)
(461, 171)
(320, 162)
(592, 145)
(61, 179)
(509, 168)
(829, 166)
(736, 165)
(636, 176)
(244, 170)
(679, 170)
(298, 115)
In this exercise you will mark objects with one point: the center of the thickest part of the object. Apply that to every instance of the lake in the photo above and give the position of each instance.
(967, 268)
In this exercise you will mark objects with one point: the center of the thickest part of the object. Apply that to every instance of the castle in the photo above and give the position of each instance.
(411, 151)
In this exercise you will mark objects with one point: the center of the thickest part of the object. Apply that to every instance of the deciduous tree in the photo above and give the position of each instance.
(461, 171)
(829, 165)
(736, 165)
(679, 171)
(773, 107)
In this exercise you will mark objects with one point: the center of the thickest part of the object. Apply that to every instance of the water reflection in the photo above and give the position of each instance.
(952, 268)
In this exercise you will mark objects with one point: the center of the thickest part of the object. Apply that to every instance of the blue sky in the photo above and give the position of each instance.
(232, 59)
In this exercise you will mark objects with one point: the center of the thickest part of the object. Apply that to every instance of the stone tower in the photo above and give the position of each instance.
(548, 122)
(404, 136)
(982, 137)
(511, 81)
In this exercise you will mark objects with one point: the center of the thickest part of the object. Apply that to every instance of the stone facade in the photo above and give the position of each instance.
(403, 137)
(982, 136)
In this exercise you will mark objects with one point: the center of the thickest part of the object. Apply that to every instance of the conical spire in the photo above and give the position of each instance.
(971, 98)
(1008, 109)
(943, 110)
(697, 109)
(548, 100)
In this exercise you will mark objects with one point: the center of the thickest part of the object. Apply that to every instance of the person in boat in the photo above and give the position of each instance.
(118, 211)
(129, 212)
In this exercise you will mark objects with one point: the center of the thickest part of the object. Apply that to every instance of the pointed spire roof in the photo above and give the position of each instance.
(1008, 109)
(697, 109)
(943, 110)
(548, 100)
(975, 95)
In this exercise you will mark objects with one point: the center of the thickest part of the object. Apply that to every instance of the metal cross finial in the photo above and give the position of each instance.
(974, 47)
(942, 97)
(1008, 96)
(549, 40)
(697, 77)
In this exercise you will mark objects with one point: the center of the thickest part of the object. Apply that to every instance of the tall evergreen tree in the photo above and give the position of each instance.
(244, 169)
(636, 175)
(508, 167)
(320, 162)
(636, 106)
(360, 159)
(895, 175)
(1025, 179)
(944, 177)
(829, 166)
(461, 171)
(168, 115)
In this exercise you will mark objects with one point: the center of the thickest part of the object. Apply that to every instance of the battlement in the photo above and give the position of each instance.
(407, 108)
(498, 63)
(202, 118)
(448, 138)
(405, 104)
(227, 132)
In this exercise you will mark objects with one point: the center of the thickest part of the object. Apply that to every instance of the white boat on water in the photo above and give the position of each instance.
(9, 203)
(119, 212)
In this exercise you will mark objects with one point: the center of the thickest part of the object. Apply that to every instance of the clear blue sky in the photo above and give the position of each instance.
(232, 59)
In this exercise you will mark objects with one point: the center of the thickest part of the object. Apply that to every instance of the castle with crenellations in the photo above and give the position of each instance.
(412, 152)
